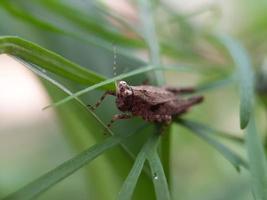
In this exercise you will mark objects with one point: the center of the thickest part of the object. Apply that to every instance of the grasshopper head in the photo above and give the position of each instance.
(124, 89)
(124, 96)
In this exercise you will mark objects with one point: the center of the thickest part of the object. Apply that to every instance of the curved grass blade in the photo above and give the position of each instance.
(257, 161)
(49, 60)
(90, 25)
(15, 11)
(214, 132)
(20, 14)
(245, 76)
(216, 84)
(203, 133)
(159, 178)
(49, 179)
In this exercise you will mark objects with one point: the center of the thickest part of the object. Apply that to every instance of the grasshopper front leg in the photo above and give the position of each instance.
(101, 99)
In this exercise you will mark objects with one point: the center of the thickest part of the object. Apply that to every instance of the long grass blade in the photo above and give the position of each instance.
(245, 76)
(214, 132)
(49, 179)
(158, 175)
(257, 161)
(48, 60)
(203, 133)
(216, 84)
(129, 184)
(43, 183)
(151, 37)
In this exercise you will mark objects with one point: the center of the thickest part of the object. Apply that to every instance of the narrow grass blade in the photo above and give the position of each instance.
(131, 180)
(151, 36)
(216, 84)
(214, 132)
(130, 183)
(49, 60)
(49, 179)
(245, 75)
(158, 175)
(200, 131)
(61, 172)
(257, 161)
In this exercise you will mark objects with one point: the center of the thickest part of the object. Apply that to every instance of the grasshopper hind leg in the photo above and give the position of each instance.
(186, 90)
(188, 103)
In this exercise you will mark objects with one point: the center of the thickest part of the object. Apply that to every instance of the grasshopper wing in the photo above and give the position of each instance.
(153, 95)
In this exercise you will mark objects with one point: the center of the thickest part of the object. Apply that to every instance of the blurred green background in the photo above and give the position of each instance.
(86, 32)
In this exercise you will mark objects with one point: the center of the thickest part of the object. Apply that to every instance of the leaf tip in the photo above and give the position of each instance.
(244, 120)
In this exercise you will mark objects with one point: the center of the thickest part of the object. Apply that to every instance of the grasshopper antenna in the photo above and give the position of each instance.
(114, 68)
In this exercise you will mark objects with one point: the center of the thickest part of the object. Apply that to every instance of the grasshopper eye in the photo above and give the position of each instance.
(122, 84)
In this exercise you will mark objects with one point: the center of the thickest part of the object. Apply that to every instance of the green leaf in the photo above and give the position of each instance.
(149, 152)
(49, 60)
(129, 184)
(257, 161)
(49, 179)
(245, 76)
(204, 133)
(158, 175)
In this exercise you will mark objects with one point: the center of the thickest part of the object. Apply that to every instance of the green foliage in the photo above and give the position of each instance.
(257, 161)
(245, 77)
(130, 145)
(48, 60)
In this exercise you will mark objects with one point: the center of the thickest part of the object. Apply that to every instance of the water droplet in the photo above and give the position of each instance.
(155, 176)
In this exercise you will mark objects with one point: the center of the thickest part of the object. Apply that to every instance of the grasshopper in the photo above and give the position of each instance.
(153, 104)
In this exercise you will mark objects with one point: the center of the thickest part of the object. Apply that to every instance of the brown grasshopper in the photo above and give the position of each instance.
(153, 104)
